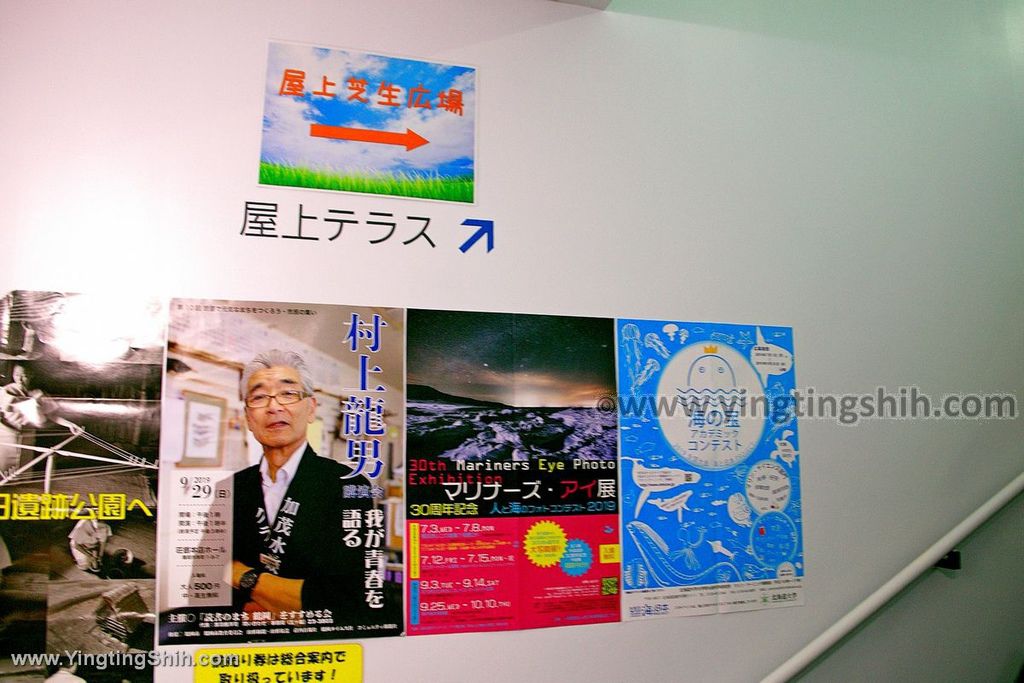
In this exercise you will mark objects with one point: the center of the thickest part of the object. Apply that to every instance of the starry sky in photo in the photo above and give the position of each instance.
(516, 359)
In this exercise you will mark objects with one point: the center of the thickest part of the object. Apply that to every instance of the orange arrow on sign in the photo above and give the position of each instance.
(408, 139)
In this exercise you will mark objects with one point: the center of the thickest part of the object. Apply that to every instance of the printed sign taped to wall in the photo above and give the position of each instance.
(312, 663)
(358, 122)
(80, 385)
(511, 472)
(711, 474)
(280, 472)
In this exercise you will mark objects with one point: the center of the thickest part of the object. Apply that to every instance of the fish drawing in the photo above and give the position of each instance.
(717, 547)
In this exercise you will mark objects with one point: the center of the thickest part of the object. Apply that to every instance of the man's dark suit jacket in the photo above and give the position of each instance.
(315, 551)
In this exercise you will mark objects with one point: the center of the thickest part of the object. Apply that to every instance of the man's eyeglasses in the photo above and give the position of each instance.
(284, 398)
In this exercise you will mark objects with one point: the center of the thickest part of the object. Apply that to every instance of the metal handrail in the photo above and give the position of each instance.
(817, 647)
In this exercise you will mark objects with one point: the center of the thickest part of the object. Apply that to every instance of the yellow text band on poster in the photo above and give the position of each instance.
(414, 550)
(286, 664)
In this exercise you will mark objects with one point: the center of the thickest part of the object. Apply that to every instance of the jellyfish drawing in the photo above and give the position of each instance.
(653, 341)
(687, 553)
(650, 368)
(631, 347)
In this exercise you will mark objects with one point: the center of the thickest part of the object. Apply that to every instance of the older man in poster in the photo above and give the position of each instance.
(291, 515)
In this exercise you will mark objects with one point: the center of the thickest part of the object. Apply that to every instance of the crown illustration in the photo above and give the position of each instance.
(711, 349)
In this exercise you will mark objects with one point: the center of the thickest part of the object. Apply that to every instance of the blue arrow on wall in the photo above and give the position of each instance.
(484, 227)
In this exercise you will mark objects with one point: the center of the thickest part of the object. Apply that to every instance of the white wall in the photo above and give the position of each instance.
(857, 176)
(948, 626)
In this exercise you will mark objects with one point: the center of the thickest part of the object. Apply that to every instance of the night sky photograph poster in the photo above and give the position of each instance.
(511, 472)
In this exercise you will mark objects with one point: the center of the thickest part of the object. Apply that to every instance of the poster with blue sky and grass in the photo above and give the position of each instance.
(357, 122)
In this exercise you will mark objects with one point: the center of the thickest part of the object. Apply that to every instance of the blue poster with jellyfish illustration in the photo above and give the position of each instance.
(710, 468)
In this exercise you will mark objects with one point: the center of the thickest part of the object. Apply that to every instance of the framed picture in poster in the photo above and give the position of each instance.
(204, 430)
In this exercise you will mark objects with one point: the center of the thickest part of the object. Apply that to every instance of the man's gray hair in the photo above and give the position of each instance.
(272, 359)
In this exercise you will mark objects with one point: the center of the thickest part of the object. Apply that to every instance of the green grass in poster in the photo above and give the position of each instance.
(456, 189)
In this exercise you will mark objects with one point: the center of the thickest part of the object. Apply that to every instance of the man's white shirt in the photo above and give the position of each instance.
(273, 491)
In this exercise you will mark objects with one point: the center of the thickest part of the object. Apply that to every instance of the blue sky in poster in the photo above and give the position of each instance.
(710, 492)
(286, 119)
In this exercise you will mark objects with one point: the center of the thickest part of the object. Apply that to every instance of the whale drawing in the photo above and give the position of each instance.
(674, 504)
(657, 479)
